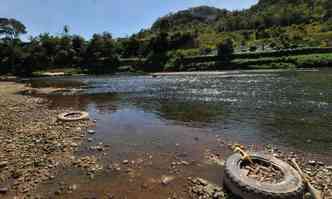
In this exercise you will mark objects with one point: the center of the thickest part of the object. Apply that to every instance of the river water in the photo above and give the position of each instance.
(181, 115)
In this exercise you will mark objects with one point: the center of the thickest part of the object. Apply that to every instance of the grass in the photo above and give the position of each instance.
(297, 61)
(66, 71)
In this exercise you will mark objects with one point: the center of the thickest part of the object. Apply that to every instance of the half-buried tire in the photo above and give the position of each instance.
(73, 116)
(289, 187)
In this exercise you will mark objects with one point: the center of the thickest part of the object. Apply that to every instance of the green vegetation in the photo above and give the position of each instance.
(268, 26)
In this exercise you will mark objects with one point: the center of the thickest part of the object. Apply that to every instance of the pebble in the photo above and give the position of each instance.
(74, 144)
(202, 181)
(125, 161)
(3, 164)
(3, 190)
(165, 180)
(72, 187)
(312, 162)
(90, 131)
(320, 163)
(99, 148)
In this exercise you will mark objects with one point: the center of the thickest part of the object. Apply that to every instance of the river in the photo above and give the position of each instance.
(168, 116)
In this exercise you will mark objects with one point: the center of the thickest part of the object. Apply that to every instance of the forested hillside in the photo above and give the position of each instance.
(301, 22)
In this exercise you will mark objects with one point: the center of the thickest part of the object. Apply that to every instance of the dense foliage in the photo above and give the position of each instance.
(268, 25)
(275, 21)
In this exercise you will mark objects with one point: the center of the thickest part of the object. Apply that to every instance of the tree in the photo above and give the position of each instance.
(66, 29)
(11, 28)
(130, 47)
(328, 7)
(101, 54)
(226, 50)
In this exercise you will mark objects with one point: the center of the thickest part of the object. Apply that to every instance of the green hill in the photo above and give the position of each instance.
(280, 23)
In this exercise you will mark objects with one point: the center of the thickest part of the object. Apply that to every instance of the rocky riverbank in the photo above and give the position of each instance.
(33, 144)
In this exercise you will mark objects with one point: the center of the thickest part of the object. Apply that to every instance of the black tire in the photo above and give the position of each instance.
(65, 116)
(291, 186)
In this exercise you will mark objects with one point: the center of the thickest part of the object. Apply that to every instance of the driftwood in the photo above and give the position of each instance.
(316, 194)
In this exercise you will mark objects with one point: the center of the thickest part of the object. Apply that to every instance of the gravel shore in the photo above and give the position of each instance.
(33, 144)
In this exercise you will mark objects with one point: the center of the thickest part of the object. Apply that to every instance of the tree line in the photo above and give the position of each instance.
(270, 24)
(98, 55)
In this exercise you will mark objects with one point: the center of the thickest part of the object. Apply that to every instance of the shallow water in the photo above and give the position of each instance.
(179, 117)
(292, 108)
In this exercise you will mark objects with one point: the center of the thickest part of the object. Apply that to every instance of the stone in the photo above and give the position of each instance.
(57, 192)
(72, 187)
(99, 148)
(3, 164)
(320, 163)
(73, 144)
(91, 132)
(218, 195)
(202, 181)
(312, 162)
(3, 190)
(125, 161)
(16, 174)
(165, 180)
(184, 162)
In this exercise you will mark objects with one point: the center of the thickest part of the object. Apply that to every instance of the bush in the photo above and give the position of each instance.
(155, 62)
(205, 51)
(225, 50)
(253, 48)
(175, 61)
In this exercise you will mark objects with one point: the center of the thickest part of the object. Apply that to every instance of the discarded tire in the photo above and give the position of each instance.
(73, 116)
(291, 185)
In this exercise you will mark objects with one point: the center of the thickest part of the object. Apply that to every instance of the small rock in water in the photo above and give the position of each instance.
(312, 162)
(99, 148)
(90, 131)
(320, 163)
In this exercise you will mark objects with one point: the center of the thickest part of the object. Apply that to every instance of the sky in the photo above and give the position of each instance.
(85, 17)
